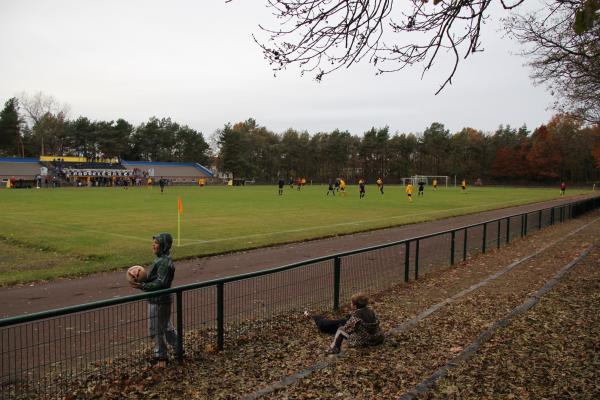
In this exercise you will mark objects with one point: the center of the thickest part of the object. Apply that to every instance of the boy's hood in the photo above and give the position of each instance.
(165, 241)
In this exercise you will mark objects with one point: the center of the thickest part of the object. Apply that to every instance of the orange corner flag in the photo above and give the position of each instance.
(179, 206)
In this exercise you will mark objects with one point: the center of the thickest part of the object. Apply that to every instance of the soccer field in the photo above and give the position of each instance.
(50, 233)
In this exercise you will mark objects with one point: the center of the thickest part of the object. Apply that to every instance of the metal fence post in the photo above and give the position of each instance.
(452, 245)
(406, 260)
(465, 245)
(507, 230)
(484, 237)
(522, 224)
(220, 317)
(179, 349)
(525, 224)
(540, 220)
(417, 260)
(337, 262)
(552, 216)
(498, 238)
(570, 211)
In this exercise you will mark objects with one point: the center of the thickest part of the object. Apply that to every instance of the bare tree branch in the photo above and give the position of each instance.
(324, 35)
(566, 62)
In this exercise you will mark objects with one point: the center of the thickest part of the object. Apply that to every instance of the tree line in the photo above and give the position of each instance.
(563, 149)
(37, 125)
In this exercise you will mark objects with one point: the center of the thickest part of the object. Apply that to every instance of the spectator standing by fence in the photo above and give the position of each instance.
(160, 277)
(563, 187)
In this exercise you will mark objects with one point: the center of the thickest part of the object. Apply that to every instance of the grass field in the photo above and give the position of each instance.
(53, 233)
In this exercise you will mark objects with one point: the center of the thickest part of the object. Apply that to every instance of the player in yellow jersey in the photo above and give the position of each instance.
(342, 187)
(463, 185)
(434, 184)
(409, 190)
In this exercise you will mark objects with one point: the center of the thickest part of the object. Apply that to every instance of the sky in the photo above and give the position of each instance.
(196, 62)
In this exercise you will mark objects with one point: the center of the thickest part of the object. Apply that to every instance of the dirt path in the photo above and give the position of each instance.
(24, 299)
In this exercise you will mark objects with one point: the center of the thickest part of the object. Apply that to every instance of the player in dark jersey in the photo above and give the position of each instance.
(330, 188)
(361, 188)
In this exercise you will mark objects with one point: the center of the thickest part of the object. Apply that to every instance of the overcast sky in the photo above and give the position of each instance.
(195, 61)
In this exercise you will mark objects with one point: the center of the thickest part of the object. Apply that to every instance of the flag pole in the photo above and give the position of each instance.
(179, 212)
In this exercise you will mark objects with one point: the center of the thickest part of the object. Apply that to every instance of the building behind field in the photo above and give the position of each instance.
(22, 170)
(58, 171)
(178, 173)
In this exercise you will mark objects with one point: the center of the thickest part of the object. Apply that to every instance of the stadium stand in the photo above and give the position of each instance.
(23, 170)
(80, 171)
(174, 172)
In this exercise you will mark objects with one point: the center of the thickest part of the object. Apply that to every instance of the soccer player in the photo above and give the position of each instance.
(409, 190)
(563, 187)
(281, 183)
(361, 188)
(330, 188)
(463, 185)
(343, 187)
(162, 182)
(380, 185)
(434, 183)
(421, 188)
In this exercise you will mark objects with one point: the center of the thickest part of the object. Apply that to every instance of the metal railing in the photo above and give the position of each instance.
(44, 354)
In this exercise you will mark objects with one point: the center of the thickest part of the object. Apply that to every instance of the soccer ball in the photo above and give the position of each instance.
(137, 274)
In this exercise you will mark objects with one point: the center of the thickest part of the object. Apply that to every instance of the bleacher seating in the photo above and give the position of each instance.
(86, 165)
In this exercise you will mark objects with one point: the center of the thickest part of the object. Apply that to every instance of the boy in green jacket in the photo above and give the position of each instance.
(160, 277)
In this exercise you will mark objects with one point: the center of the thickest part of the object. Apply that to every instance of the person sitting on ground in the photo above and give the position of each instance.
(361, 329)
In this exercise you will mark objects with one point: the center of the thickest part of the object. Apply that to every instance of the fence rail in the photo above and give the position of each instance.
(43, 353)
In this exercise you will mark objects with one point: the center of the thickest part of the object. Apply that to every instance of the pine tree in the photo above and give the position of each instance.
(10, 128)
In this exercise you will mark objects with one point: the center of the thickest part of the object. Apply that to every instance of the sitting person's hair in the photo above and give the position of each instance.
(360, 300)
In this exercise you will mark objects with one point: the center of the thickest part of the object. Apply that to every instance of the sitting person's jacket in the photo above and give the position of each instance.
(363, 328)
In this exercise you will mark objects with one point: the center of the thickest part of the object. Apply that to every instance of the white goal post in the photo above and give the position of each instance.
(442, 180)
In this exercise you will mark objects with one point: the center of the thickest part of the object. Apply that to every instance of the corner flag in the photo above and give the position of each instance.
(179, 206)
